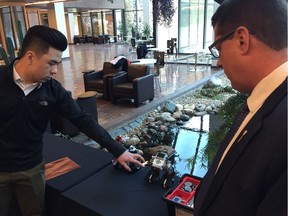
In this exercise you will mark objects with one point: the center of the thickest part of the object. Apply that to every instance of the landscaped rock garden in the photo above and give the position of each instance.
(160, 126)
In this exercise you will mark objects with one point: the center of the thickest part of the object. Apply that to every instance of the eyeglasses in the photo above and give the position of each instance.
(214, 51)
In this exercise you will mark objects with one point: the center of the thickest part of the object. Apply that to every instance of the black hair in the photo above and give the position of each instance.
(265, 19)
(40, 38)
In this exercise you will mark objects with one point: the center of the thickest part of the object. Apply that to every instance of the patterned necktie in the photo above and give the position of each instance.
(243, 112)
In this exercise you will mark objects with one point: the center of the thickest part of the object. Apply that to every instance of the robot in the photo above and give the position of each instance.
(134, 167)
(161, 170)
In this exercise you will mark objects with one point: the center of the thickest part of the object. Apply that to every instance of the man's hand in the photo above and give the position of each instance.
(130, 157)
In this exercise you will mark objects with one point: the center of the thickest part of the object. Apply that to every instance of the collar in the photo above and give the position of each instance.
(20, 82)
(266, 86)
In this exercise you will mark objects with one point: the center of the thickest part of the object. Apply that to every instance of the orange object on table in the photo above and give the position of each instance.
(59, 167)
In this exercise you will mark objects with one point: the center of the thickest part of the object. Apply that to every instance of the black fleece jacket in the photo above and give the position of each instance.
(23, 121)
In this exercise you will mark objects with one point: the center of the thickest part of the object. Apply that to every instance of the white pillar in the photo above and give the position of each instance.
(56, 19)
(70, 27)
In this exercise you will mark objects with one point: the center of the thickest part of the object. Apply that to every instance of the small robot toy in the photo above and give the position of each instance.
(161, 170)
(133, 167)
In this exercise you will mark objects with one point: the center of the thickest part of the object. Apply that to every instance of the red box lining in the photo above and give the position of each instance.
(179, 195)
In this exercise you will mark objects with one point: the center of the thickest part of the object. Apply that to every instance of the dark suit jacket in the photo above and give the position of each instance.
(252, 179)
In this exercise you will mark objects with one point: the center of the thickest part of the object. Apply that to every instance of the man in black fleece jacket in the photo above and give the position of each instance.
(28, 95)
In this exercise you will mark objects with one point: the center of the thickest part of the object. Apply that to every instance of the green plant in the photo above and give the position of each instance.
(146, 30)
(163, 11)
(133, 31)
(227, 113)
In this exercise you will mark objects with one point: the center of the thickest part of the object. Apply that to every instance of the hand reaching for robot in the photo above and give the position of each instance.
(128, 157)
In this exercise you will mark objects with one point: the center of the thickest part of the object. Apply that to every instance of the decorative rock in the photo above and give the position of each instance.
(159, 108)
(180, 123)
(209, 109)
(133, 141)
(200, 107)
(184, 117)
(152, 131)
(158, 122)
(143, 144)
(213, 82)
(176, 114)
(158, 117)
(189, 106)
(166, 116)
(179, 107)
(169, 106)
(200, 113)
(145, 135)
(154, 150)
(213, 106)
(149, 119)
(188, 112)
(152, 125)
(163, 128)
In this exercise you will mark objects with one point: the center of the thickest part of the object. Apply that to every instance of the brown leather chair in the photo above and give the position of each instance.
(137, 84)
(97, 81)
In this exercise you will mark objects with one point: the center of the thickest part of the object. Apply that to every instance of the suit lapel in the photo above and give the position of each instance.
(239, 146)
(231, 158)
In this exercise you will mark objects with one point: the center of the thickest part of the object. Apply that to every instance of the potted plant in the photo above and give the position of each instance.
(146, 30)
(133, 32)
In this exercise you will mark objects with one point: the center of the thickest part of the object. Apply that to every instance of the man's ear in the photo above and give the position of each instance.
(243, 37)
(29, 57)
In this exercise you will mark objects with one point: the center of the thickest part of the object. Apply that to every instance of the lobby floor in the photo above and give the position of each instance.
(175, 80)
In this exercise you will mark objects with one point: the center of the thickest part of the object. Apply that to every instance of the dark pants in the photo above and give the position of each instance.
(27, 186)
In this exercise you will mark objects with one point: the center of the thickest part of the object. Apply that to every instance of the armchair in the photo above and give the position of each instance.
(97, 80)
(137, 84)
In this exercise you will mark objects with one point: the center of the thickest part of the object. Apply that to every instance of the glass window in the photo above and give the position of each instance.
(7, 23)
(119, 24)
(86, 24)
(76, 24)
(108, 23)
(209, 38)
(192, 24)
(20, 24)
(97, 24)
(134, 18)
(32, 17)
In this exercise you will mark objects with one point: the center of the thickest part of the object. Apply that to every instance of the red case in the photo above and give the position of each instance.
(183, 195)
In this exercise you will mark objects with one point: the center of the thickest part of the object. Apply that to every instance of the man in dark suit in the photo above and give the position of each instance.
(249, 173)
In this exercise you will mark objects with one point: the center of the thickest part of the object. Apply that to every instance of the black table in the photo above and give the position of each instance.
(89, 159)
(114, 192)
(97, 188)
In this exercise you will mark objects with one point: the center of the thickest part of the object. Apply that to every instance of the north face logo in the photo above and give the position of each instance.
(43, 103)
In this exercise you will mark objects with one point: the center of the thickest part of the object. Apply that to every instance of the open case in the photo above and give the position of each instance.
(180, 200)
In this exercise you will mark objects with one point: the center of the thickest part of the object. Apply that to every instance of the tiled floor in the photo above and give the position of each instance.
(175, 79)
